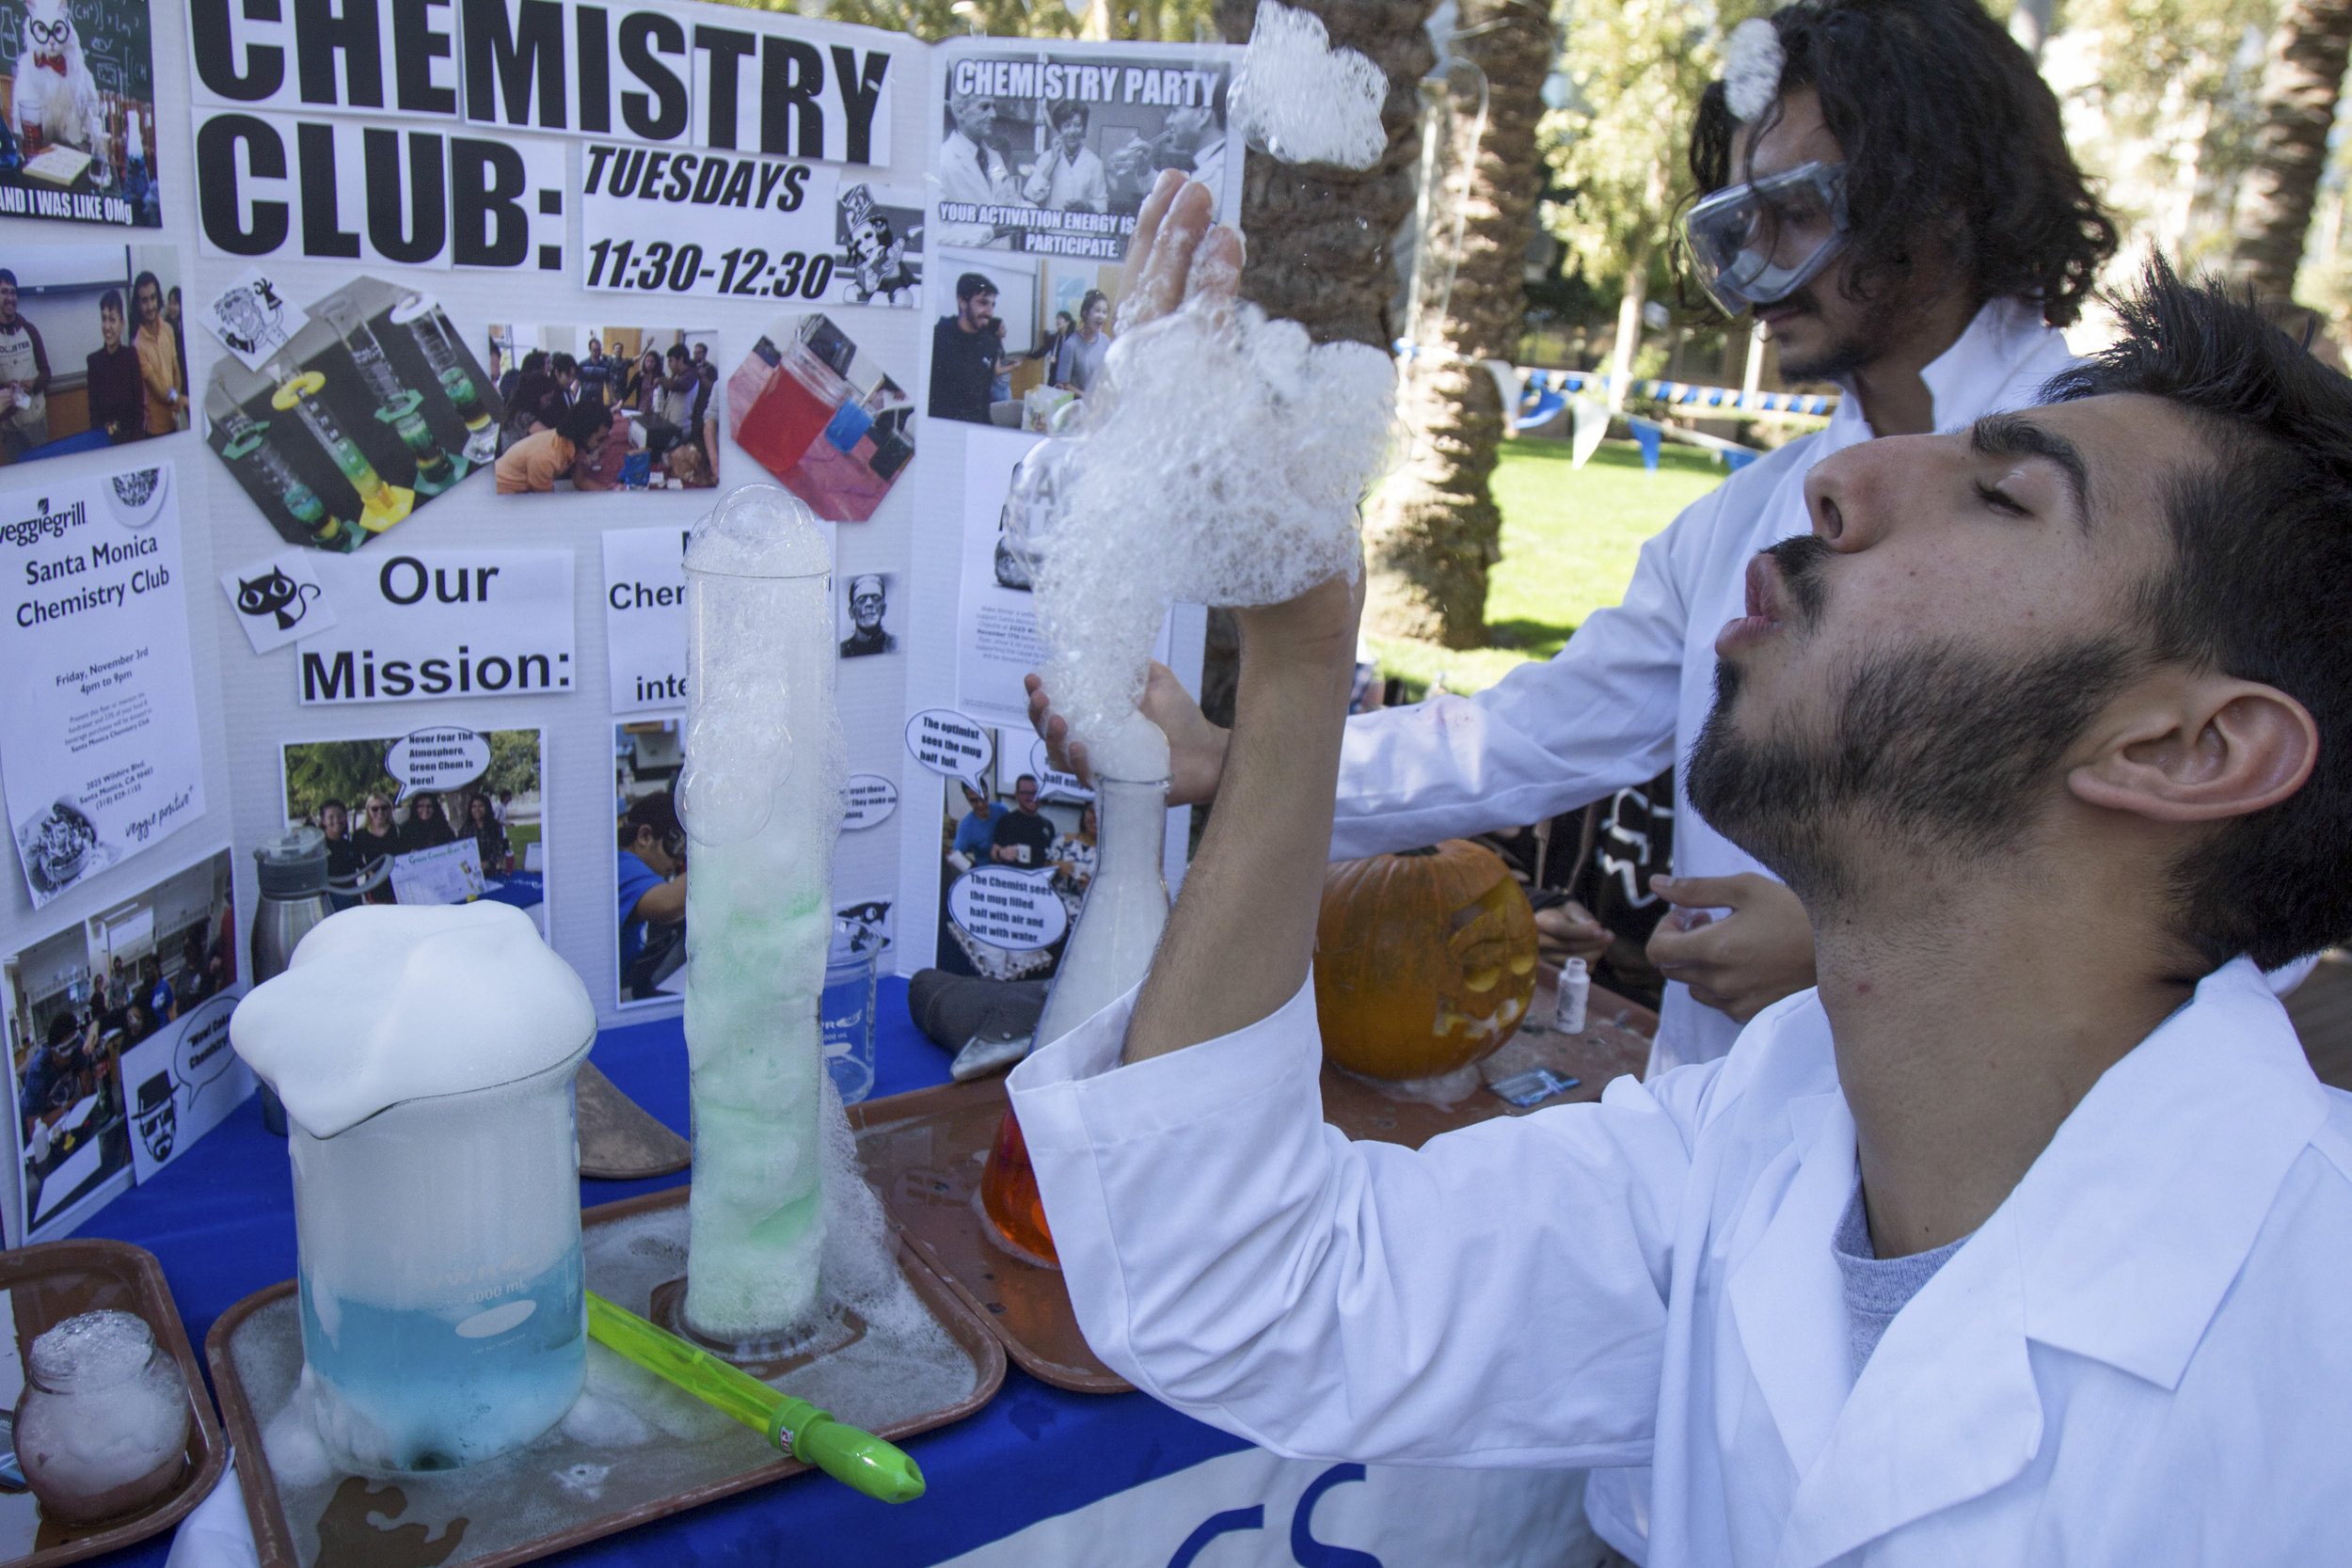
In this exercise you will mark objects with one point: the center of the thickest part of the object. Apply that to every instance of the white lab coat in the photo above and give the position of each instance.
(2138, 1360)
(970, 172)
(1630, 692)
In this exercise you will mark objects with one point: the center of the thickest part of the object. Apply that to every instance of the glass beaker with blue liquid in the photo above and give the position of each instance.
(436, 1192)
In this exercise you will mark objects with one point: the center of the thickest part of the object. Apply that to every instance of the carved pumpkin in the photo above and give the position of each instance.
(1424, 961)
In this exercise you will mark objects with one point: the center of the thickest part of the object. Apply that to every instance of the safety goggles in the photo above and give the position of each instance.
(1760, 242)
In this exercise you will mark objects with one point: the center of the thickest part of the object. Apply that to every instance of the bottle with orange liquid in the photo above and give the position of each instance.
(1009, 1198)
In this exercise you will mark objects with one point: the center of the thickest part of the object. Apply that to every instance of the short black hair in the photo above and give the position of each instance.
(2260, 588)
(1068, 109)
(972, 283)
(6, 276)
(1951, 138)
(655, 810)
(535, 361)
(110, 300)
(563, 362)
(588, 416)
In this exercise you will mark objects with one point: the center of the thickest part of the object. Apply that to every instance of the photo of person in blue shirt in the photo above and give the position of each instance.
(651, 863)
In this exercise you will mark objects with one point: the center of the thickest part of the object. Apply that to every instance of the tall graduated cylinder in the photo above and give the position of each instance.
(425, 1056)
(760, 796)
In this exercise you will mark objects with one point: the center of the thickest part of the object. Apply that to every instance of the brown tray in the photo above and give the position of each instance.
(923, 1152)
(409, 1537)
(56, 1280)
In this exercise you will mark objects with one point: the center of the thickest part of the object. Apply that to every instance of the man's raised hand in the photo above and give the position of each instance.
(1177, 252)
(1196, 748)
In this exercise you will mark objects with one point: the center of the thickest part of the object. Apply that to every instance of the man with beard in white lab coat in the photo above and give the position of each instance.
(2024, 1239)
(1931, 234)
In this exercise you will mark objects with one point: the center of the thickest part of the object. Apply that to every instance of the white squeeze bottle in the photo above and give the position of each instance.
(1576, 989)
(1125, 909)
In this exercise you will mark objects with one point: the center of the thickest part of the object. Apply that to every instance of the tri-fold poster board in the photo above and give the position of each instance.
(362, 371)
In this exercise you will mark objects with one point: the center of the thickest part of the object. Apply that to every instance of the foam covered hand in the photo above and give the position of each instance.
(1178, 251)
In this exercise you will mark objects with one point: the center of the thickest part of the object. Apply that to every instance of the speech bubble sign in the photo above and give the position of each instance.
(865, 801)
(202, 1053)
(1052, 782)
(1014, 909)
(435, 760)
(948, 743)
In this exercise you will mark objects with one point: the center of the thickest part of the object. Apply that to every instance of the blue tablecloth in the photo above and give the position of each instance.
(222, 1219)
(88, 440)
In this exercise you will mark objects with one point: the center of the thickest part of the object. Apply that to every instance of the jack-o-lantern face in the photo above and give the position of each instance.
(1424, 962)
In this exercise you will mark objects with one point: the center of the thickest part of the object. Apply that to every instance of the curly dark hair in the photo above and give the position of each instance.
(1950, 135)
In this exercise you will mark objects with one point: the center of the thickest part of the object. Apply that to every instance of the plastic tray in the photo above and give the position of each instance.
(923, 1152)
(56, 1280)
(412, 1535)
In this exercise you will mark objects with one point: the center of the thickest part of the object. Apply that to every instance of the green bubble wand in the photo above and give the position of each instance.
(796, 1427)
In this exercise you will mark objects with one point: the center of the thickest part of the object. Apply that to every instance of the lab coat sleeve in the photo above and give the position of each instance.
(1597, 716)
(1495, 1299)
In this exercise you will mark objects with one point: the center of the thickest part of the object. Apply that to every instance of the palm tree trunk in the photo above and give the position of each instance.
(2300, 82)
(1434, 529)
(1319, 236)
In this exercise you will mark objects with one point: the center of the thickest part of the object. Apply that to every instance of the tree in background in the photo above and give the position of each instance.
(2301, 79)
(1433, 530)
(2160, 103)
(1619, 147)
(1179, 21)
(935, 20)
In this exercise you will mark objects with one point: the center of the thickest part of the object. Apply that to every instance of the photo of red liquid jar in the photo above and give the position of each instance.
(792, 410)
(1008, 1195)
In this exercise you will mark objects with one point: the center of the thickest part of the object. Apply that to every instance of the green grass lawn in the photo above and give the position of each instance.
(1569, 540)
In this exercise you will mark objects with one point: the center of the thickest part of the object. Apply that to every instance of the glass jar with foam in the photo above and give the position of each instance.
(425, 1056)
(102, 1428)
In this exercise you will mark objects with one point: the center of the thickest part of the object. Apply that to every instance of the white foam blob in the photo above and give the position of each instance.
(1303, 101)
(114, 1422)
(291, 1442)
(1221, 462)
(391, 1002)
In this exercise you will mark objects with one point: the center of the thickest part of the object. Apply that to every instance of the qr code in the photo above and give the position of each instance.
(132, 489)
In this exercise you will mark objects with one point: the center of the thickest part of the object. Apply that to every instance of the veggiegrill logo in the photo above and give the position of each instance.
(48, 524)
